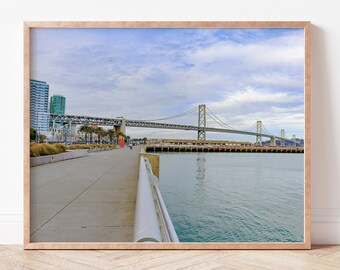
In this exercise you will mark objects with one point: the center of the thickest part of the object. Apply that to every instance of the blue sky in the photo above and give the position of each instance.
(242, 75)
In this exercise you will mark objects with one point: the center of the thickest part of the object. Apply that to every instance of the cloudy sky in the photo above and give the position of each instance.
(242, 75)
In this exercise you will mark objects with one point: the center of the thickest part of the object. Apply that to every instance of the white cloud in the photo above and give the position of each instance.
(276, 79)
(276, 51)
(244, 98)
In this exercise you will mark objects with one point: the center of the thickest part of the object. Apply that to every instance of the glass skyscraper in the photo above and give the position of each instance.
(57, 104)
(39, 118)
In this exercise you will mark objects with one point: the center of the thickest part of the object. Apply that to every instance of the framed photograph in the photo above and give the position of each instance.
(167, 135)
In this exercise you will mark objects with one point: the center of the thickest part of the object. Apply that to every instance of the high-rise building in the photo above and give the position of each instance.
(57, 104)
(39, 105)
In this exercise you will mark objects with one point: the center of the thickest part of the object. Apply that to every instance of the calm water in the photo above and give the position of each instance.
(234, 197)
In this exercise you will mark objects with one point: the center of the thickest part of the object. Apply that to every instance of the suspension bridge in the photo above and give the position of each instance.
(120, 124)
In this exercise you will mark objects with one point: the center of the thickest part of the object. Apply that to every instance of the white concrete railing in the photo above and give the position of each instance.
(152, 220)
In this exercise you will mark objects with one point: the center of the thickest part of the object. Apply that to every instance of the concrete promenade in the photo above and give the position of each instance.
(88, 199)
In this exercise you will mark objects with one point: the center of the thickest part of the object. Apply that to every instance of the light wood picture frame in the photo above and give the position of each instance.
(305, 28)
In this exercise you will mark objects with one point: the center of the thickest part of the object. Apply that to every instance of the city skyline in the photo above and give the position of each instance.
(242, 75)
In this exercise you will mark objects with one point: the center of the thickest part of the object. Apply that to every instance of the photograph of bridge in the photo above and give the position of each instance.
(165, 134)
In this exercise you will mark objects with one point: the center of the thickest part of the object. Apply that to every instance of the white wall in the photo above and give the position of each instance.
(324, 14)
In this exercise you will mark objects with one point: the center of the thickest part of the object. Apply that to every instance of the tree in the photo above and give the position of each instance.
(121, 134)
(86, 129)
(104, 136)
(91, 131)
(100, 133)
(42, 138)
(111, 133)
(145, 140)
(33, 134)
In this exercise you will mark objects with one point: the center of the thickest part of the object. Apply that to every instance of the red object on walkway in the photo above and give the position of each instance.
(121, 142)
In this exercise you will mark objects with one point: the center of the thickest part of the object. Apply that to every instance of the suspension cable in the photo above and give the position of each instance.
(250, 128)
(265, 129)
(174, 116)
(214, 120)
(218, 120)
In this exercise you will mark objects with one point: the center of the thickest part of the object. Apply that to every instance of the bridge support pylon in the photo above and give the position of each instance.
(259, 133)
(272, 141)
(283, 136)
(122, 127)
(202, 122)
(294, 140)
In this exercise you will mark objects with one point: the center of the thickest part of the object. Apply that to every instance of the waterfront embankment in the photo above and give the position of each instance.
(88, 199)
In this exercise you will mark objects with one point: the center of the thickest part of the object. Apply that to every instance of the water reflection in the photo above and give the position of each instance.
(200, 189)
(201, 167)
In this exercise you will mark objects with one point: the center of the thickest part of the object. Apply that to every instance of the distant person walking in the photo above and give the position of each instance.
(130, 145)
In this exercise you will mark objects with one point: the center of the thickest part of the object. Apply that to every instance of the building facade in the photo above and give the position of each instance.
(57, 104)
(39, 118)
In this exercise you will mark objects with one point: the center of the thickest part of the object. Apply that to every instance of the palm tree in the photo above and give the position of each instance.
(91, 131)
(111, 133)
(100, 132)
(104, 135)
(121, 134)
(86, 129)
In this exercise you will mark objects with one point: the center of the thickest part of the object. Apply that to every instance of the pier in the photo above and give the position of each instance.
(88, 199)
(222, 148)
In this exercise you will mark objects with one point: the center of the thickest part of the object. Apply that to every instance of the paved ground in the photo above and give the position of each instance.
(88, 199)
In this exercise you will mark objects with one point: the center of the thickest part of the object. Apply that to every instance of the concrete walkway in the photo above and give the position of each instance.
(89, 199)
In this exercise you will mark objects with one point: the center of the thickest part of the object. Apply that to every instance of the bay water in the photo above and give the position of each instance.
(234, 197)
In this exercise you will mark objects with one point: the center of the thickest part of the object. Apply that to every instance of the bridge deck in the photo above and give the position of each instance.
(89, 199)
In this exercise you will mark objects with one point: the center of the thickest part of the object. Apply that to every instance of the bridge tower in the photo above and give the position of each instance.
(283, 136)
(273, 141)
(259, 132)
(122, 127)
(202, 122)
(294, 140)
